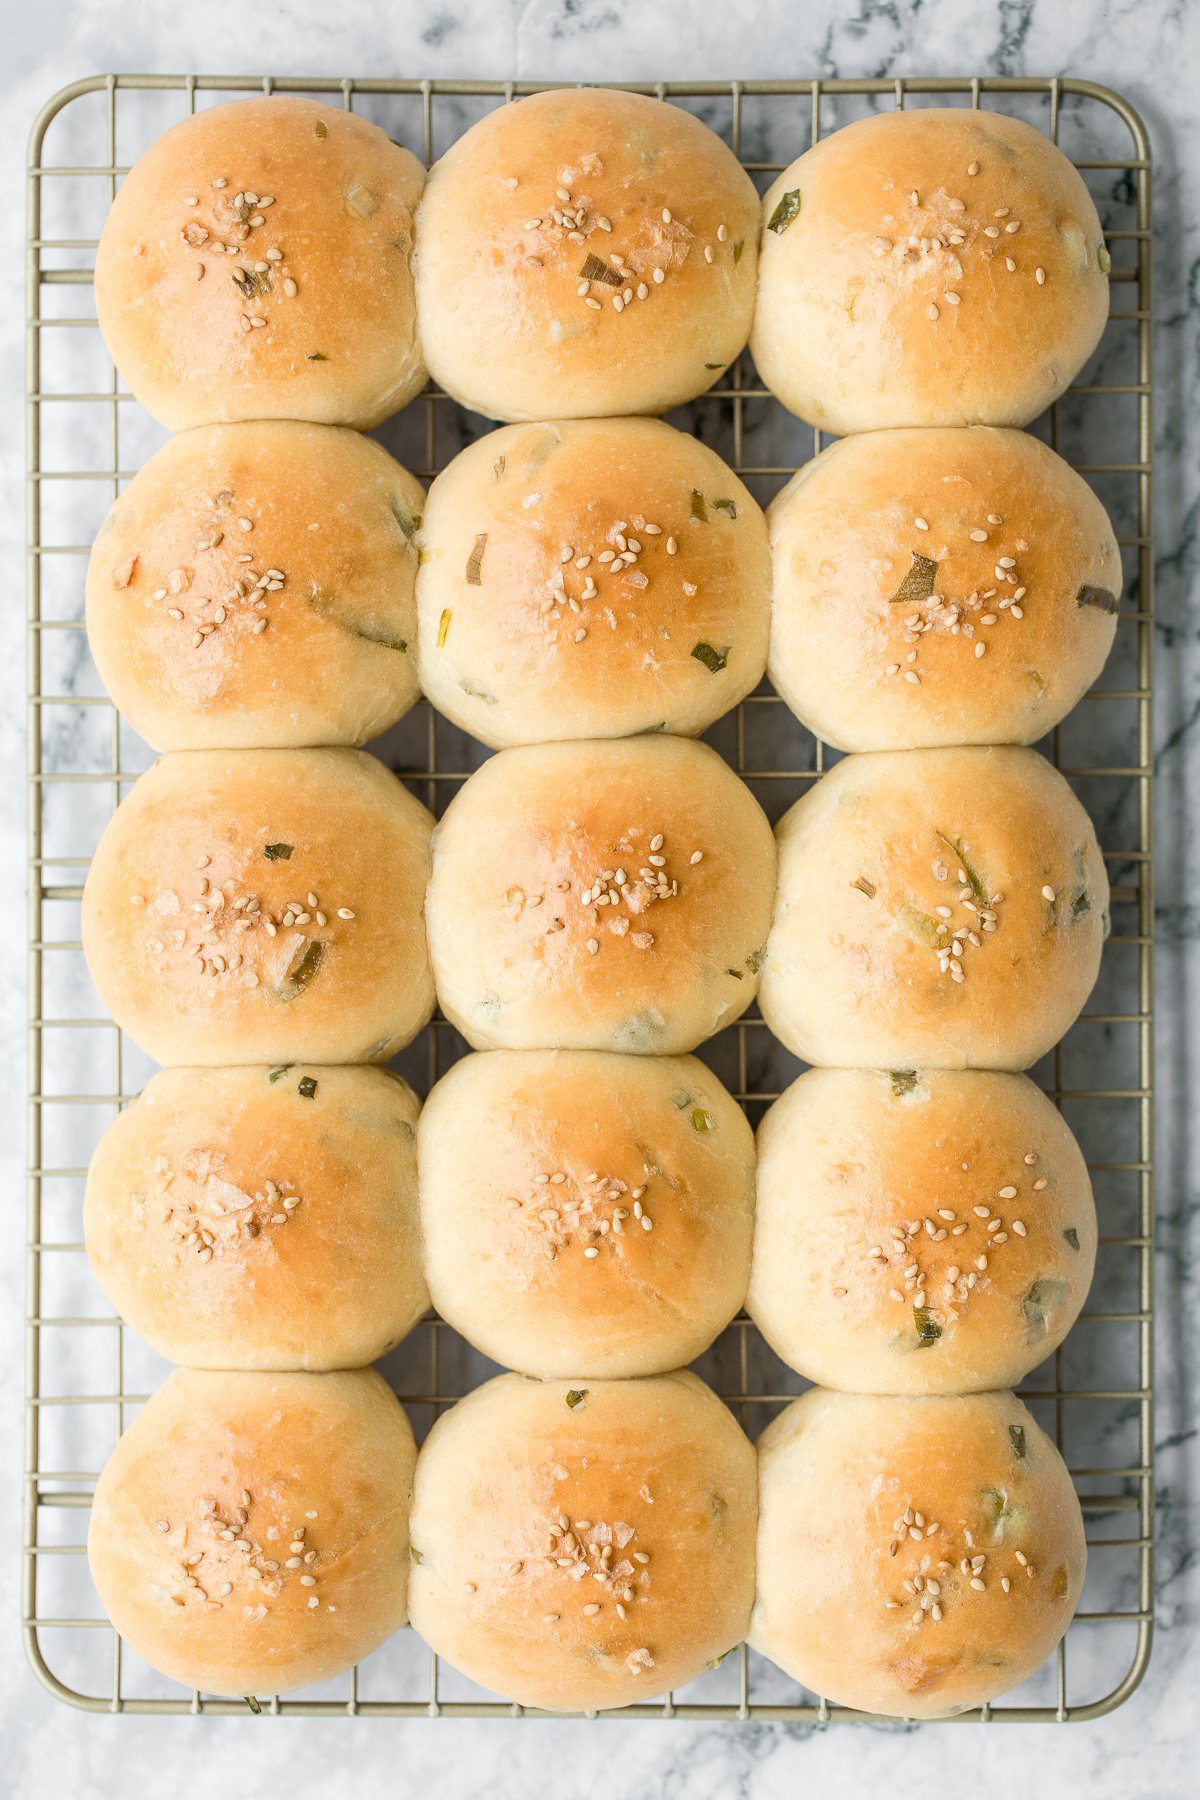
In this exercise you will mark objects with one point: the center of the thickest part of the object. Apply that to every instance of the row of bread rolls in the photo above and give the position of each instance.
(586, 1547)
(585, 252)
(581, 1213)
(278, 584)
(927, 909)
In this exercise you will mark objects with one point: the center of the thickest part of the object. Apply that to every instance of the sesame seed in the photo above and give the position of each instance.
(666, 216)
(660, 275)
(978, 536)
(921, 524)
(1006, 1193)
(1048, 894)
(973, 168)
(1040, 277)
(951, 299)
(931, 311)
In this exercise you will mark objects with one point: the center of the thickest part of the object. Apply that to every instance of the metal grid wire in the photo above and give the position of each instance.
(85, 1372)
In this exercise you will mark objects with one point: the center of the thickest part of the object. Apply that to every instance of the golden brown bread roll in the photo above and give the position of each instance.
(585, 252)
(257, 264)
(936, 909)
(936, 266)
(599, 896)
(249, 1534)
(916, 1557)
(263, 906)
(592, 578)
(919, 1232)
(586, 1213)
(253, 588)
(255, 1218)
(939, 587)
(584, 1547)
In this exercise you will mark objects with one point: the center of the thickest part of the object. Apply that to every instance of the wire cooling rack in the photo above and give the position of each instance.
(86, 1373)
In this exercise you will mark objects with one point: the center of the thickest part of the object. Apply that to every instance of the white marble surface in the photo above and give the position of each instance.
(1151, 50)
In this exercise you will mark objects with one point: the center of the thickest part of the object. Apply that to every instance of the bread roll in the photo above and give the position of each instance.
(600, 896)
(585, 252)
(257, 264)
(253, 588)
(916, 1557)
(938, 909)
(261, 1218)
(939, 587)
(249, 1534)
(926, 1232)
(263, 906)
(586, 1213)
(937, 266)
(583, 1548)
(594, 578)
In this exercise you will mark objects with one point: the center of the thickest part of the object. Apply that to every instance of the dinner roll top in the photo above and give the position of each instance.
(936, 909)
(580, 1548)
(585, 1213)
(916, 1557)
(936, 266)
(939, 587)
(606, 896)
(253, 588)
(249, 1533)
(263, 906)
(593, 578)
(254, 1218)
(919, 1232)
(257, 264)
(584, 253)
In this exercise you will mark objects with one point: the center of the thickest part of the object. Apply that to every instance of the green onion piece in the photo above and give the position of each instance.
(1100, 597)
(576, 1397)
(277, 852)
(307, 1088)
(404, 520)
(1072, 1237)
(865, 887)
(385, 643)
(713, 660)
(321, 129)
(699, 510)
(596, 269)
(922, 927)
(702, 1120)
(499, 466)
(785, 213)
(299, 978)
(903, 1081)
(252, 1703)
(736, 973)
(362, 200)
(1104, 260)
(714, 365)
(737, 251)
(317, 356)
(928, 1329)
(726, 506)
(443, 627)
(1017, 1434)
(918, 584)
(280, 1072)
(475, 561)
(756, 959)
(975, 880)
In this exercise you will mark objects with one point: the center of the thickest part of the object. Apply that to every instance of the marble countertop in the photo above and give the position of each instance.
(1148, 49)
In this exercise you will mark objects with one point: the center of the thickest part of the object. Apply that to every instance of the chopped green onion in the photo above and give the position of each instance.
(713, 660)
(277, 852)
(785, 213)
(918, 584)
